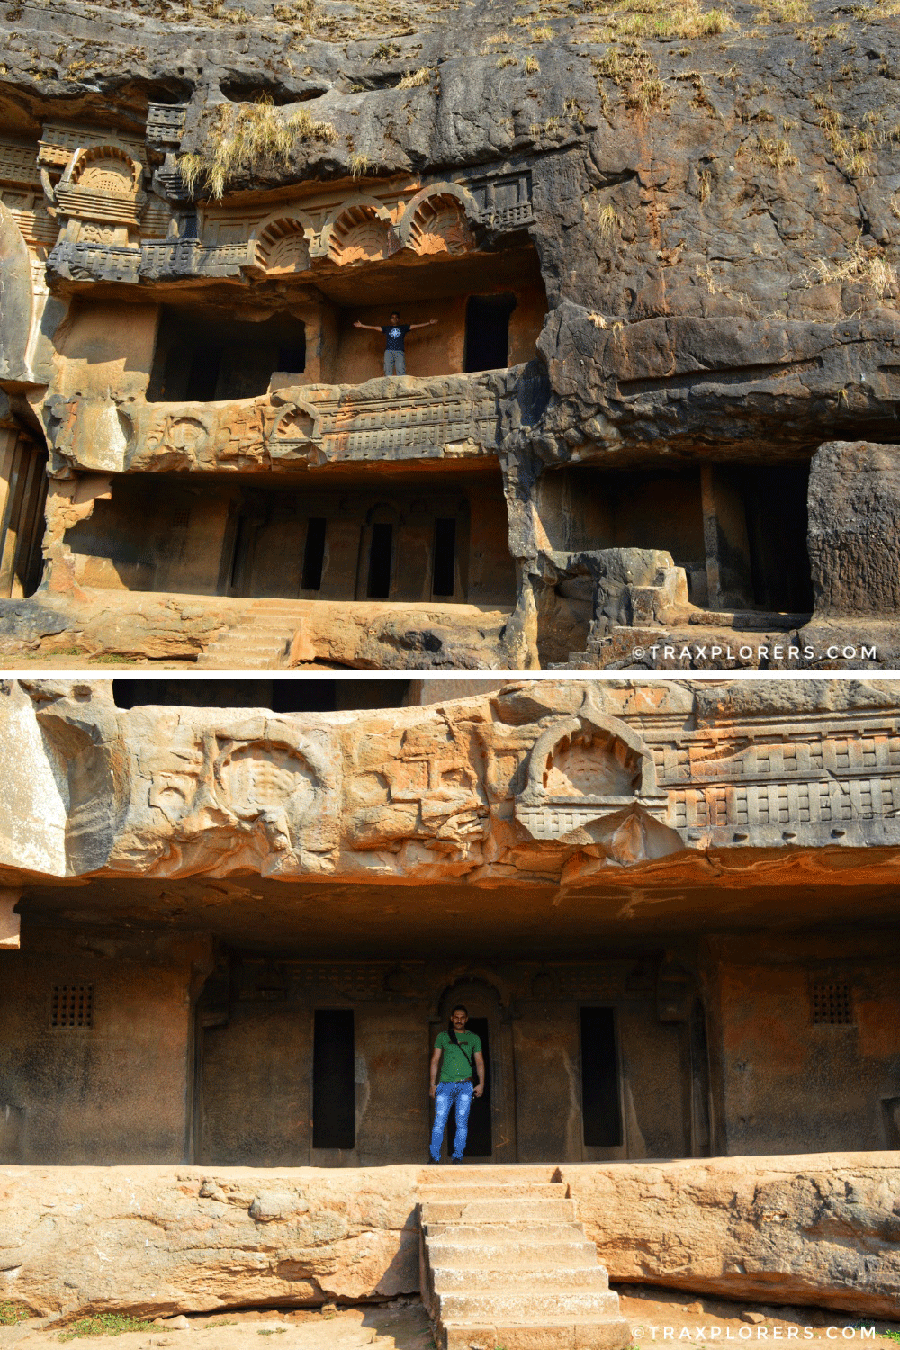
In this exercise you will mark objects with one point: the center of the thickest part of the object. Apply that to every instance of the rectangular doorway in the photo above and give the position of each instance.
(487, 332)
(600, 1110)
(334, 1079)
(381, 557)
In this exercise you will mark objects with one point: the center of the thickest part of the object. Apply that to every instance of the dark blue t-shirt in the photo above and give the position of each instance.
(395, 335)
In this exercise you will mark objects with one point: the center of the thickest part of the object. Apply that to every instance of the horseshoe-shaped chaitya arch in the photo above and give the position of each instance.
(280, 244)
(439, 219)
(359, 230)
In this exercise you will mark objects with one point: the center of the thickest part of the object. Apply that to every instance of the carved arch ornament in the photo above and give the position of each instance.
(438, 220)
(269, 800)
(101, 190)
(359, 231)
(107, 169)
(591, 782)
(296, 423)
(280, 244)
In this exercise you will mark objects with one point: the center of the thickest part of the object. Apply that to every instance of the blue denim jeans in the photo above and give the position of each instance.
(446, 1095)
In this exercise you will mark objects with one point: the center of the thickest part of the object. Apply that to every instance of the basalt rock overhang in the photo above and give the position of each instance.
(601, 802)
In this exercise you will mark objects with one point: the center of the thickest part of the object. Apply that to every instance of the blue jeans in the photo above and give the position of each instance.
(394, 363)
(446, 1095)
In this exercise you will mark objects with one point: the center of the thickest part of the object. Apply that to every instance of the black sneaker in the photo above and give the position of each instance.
(433, 1161)
(457, 1160)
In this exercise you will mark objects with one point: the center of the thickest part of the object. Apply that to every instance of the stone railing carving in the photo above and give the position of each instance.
(838, 786)
(165, 125)
(456, 416)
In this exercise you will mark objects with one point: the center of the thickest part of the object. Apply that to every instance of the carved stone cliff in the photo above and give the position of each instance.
(704, 204)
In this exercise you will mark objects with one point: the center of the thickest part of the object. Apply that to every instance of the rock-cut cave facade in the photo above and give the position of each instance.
(231, 935)
(659, 396)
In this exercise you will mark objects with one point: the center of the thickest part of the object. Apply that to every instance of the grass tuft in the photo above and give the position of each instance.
(777, 151)
(608, 222)
(867, 267)
(105, 1324)
(12, 1313)
(661, 19)
(415, 78)
(257, 135)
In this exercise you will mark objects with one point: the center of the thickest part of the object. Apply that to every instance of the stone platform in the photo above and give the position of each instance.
(819, 1230)
(219, 632)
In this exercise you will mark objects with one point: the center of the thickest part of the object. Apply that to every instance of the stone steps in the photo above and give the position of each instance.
(252, 643)
(481, 1252)
(257, 638)
(512, 1305)
(565, 1335)
(494, 1190)
(505, 1262)
(514, 1210)
(511, 1276)
(525, 1232)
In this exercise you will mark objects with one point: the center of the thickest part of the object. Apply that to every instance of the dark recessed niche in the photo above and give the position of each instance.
(284, 696)
(238, 90)
(600, 1110)
(334, 1079)
(207, 355)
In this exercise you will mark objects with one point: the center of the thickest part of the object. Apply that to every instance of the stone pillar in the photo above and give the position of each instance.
(728, 575)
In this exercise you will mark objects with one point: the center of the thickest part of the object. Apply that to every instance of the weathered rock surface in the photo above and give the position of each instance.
(820, 1229)
(554, 782)
(854, 505)
(158, 1240)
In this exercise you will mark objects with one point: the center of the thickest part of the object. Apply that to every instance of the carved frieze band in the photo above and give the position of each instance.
(114, 212)
(459, 415)
(565, 797)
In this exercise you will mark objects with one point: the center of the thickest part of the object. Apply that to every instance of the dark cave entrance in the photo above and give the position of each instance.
(487, 332)
(381, 559)
(776, 514)
(207, 355)
(334, 1079)
(600, 1111)
(444, 558)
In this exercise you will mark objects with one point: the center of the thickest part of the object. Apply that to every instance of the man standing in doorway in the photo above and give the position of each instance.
(395, 336)
(462, 1057)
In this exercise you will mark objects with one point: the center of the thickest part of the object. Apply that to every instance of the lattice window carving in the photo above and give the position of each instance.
(71, 1006)
(832, 1004)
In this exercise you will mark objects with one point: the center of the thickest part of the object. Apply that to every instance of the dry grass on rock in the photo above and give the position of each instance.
(255, 136)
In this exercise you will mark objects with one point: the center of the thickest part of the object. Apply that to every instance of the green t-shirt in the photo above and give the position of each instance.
(455, 1066)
